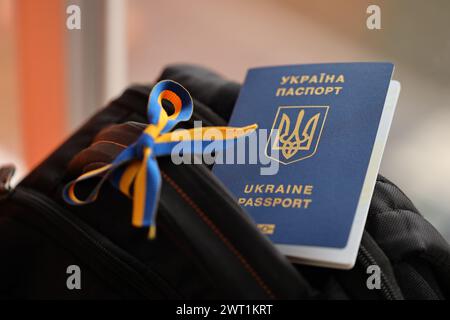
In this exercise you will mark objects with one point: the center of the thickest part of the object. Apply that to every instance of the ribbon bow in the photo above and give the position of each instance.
(135, 171)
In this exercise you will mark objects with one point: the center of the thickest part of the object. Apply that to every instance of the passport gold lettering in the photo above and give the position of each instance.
(308, 91)
(298, 203)
(280, 188)
(280, 195)
(314, 78)
(288, 83)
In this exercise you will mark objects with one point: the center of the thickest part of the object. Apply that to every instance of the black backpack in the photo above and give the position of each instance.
(207, 247)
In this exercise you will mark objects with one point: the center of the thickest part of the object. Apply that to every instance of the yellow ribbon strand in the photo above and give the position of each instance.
(135, 171)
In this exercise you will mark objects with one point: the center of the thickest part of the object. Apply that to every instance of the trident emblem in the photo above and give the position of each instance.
(297, 140)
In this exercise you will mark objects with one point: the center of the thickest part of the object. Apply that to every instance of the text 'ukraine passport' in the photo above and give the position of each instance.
(327, 125)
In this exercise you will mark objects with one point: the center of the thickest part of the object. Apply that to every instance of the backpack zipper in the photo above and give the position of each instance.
(99, 249)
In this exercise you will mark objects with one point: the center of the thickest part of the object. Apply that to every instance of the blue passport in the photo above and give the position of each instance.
(321, 133)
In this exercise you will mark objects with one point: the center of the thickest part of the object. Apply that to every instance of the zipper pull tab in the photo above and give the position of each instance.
(6, 174)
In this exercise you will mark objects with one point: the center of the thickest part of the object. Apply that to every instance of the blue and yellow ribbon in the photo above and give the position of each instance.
(135, 171)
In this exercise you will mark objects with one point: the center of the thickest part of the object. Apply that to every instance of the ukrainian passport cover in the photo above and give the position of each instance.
(326, 126)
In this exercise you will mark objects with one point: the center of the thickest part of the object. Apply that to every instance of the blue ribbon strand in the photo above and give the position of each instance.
(135, 170)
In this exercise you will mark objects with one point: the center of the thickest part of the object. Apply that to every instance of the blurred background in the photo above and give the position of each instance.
(52, 78)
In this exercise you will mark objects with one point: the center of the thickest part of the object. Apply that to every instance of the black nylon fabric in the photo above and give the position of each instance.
(206, 246)
(412, 244)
